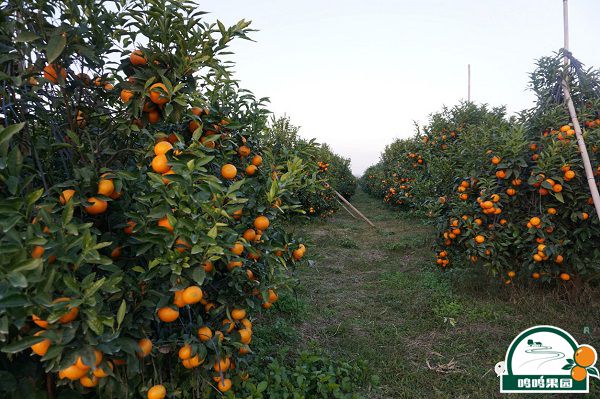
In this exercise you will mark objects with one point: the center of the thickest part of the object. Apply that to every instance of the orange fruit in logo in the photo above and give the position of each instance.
(98, 206)
(167, 314)
(41, 347)
(157, 392)
(257, 160)
(192, 295)
(137, 58)
(162, 147)
(578, 373)
(66, 196)
(261, 223)
(585, 356)
(205, 333)
(145, 347)
(159, 94)
(228, 171)
(52, 71)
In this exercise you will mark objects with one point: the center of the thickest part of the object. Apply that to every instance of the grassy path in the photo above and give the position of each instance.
(374, 295)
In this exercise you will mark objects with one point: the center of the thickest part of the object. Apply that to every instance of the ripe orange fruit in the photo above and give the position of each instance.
(238, 314)
(39, 322)
(159, 94)
(535, 221)
(557, 188)
(552, 211)
(299, 252)
(72, 373)
(71, 314)
(244, 151)
(192, 294)
(495, 160)
(585, 216)
(153, 116)
(205, 333)
(245, 336)
(160, 164)
(66, 196)
(157, 392)
(501, 174)
(126, 95)
(273, 297)
(237, 248)
(228, 171)
(89, 382)
(145, 347)
(511, 274)
(106, 187)
(98, 206)
(257, 160)
(261, 223)
(266, 305)
(535, 275)
(192, 362)
(251, 170)
(164, 222)
(41, 347)
(247, 324)
(565, 276)
(137, 58)
(559, 259)
(237, 214)
(181, 245)
(578, 373)
(222, 365)
(129, 228)
(208, 266)
(162, 147)
(178, 299)
(167, 314)
(569, 175)
(52, 71)
(479, 239)
(116, 195)
(228, 324)
(585, 356)
(224, 385)
(249, 235)
(185, 352)
(38, 252)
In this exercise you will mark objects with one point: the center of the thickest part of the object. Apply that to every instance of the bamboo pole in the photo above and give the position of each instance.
(469, 82)
(353, 208)
(346, 209)
(589, 172)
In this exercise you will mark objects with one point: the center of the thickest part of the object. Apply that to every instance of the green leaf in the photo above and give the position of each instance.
(212, 233)
(28, 264)
(22, 344)
(26, 37)
(17, 280)
(121, 313)
(55, 47)
(7, 133)
(34, 196)
(198, 275)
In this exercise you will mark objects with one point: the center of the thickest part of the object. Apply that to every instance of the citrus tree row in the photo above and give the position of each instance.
(140, 206)
(509, 194)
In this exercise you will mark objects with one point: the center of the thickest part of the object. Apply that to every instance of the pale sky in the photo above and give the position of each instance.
(356, 74)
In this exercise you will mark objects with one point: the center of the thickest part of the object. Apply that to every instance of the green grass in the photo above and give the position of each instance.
(375, 295)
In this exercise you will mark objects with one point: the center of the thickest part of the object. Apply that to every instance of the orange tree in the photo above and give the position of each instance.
(326, 170)
(509, 193)
(140, 212)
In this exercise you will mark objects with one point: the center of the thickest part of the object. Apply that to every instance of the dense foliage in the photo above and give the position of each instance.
(506, 193)
(140, 206)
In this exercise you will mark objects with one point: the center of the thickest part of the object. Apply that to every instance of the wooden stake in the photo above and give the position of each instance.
(353, 208)
(589, 172)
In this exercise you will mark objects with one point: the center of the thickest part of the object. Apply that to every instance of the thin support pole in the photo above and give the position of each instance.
(346, 209)
(589, 172)
(469, 82)
(353, 208)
